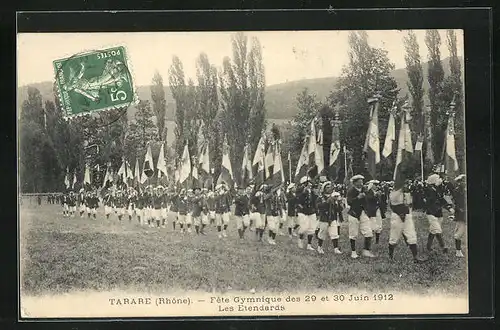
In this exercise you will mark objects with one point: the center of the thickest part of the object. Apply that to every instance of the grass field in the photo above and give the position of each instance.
(61, 255)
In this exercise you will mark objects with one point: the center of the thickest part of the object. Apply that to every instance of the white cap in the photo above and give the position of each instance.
(335, 194)
(324, 184)
(460, 177)
(433, 179)
(291, 185)
(373, 182)
(357, 177)
(304, 179)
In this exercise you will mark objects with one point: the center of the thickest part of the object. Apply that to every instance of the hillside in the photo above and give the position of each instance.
(280, 98)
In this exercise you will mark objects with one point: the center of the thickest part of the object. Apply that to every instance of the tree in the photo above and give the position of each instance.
(453, 85)
(415, 84)
(309, 107)
(435, 77)
(368, 71)
(141, 131)
(159, 105)
(178, 88)
(208, 100)
(256, 74)
(242, 86)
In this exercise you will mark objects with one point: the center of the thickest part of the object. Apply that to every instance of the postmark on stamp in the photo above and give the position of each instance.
(94, 81)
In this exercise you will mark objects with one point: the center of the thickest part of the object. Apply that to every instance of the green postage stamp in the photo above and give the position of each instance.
(94, 81)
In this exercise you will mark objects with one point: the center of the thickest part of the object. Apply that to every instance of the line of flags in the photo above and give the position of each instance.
(266, 165)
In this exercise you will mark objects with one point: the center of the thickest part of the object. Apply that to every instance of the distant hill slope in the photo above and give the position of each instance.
(280, 98)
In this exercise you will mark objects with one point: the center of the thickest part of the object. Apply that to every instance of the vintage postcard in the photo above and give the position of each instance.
(254, 174)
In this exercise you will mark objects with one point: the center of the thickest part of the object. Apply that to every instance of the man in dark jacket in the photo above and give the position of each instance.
(306, 212)
(330, 213)
(291, 199)
(359, 222)
(434, 204)
(402, 221)
(241, 211)
(459, 193)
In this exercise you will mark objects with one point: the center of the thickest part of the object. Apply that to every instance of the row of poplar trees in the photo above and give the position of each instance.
(368, 71)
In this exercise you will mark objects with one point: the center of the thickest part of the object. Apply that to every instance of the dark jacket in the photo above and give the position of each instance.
(435, 202)
(196, 205)
(306, 202)
(356, 205)
(459, 194)
(372, 203)
(273, 205)
(292, 204)
(242, 204)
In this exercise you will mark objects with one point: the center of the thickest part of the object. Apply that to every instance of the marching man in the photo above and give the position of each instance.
(189, 209)
(373, 208)
(131, 201)
(221, 209)
(306, 212)
(157, 205)
(258, 212)
(65, 203)
(210, 201)
(241, 211)
(108, 203)
(94, 204)
(402, 221)
(358, 219)
(291, 200)
(434, 204)
(72, 203)
(196, 207)
(330, 212)
(81, 202)
(459, 193)
(181, 209)
(273, 208)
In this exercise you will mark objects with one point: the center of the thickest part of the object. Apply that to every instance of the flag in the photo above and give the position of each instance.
(390, 137)
(86, 178)
(147, 166)
(372, 142)
(161, 165)
(312, 144)
(348, 171)
(319, 159)
(278, 177)
(226, 171)
(302, 164)
(74, 179)
(335, 146)
(66, 178)
(194, 175)
(204, 160)
(107, 176)
(136, 170)
(246, 167)
(129, 173)
(269, 160)
(405, 151)
(258, 162)
(450, 161)
(185, 168)
(419, 143)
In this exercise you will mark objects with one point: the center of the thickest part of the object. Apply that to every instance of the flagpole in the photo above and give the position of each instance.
(422, 164)
(289, 167)
(345, 163)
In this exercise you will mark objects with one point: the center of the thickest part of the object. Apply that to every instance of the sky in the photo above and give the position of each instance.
(287, 55)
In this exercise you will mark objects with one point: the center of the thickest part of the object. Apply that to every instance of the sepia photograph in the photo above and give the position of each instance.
(242, 173)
